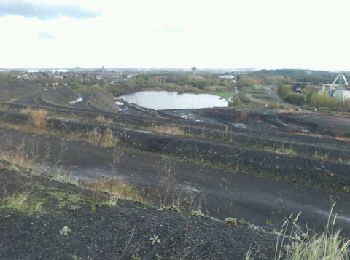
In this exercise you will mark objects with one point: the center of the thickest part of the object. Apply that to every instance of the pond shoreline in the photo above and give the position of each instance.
(160, 100)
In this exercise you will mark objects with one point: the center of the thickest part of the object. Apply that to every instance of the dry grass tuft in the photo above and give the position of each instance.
(103, 120)
(324, 246)
(18, 158)
(303, 245)
(104, 139)
(116, 187)
(169, 130)
(39, 119)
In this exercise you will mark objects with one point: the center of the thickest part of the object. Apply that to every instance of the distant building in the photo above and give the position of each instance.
(59, 77)
(23, 77)
(229, 77)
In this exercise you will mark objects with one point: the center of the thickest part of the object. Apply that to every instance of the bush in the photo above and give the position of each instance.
(326, 101)
(286, 93)
(247, 81)
(296, 98)
(311, 98)
(283, 91)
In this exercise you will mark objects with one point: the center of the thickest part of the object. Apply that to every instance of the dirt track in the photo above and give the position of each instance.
(219, 192)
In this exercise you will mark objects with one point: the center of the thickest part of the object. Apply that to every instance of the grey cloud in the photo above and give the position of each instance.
(44, 10)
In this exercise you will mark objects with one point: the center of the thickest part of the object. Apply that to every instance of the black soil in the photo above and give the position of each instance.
(122, 231)
(260, 165)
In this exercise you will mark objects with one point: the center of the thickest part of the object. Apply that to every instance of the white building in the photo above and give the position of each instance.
(343, 95)
(58, 77)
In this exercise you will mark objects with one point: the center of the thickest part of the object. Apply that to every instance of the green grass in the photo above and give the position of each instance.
(23, 203)
(78, 86)
(38, 203)
(66, 199)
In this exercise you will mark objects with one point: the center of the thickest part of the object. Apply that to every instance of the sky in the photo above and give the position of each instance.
(263, 34)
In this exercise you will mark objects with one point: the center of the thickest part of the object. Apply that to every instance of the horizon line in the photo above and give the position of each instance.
(171, 68)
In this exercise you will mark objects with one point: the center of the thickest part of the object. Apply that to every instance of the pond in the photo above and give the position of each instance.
(173, 100)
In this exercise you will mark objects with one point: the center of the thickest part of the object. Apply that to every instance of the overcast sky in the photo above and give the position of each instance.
(312, 34)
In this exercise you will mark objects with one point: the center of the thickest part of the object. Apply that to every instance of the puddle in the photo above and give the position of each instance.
(173, 100)
(76, 101)
(239, 125)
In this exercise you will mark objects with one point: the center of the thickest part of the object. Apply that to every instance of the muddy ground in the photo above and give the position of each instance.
(256, 165)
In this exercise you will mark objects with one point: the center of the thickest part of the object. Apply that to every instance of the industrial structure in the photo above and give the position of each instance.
(334, 90)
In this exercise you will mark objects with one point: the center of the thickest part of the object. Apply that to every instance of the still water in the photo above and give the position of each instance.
(174, 100)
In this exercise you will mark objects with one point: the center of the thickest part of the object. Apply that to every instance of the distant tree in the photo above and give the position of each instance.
(247, 81)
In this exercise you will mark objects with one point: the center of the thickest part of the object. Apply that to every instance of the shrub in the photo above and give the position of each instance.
(325, 100)
(283, 91)
(296, 98)
(311, 98)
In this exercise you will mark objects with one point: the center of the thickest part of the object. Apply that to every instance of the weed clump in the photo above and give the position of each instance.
(154, 240)
(231, 221)
(197, 213)
(305, 245)
(104, 139)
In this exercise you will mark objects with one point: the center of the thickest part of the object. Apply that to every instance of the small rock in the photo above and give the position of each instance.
(65, 231)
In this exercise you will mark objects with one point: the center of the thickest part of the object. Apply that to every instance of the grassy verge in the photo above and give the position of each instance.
(227, 94)
(44, 193)
(104, 139)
